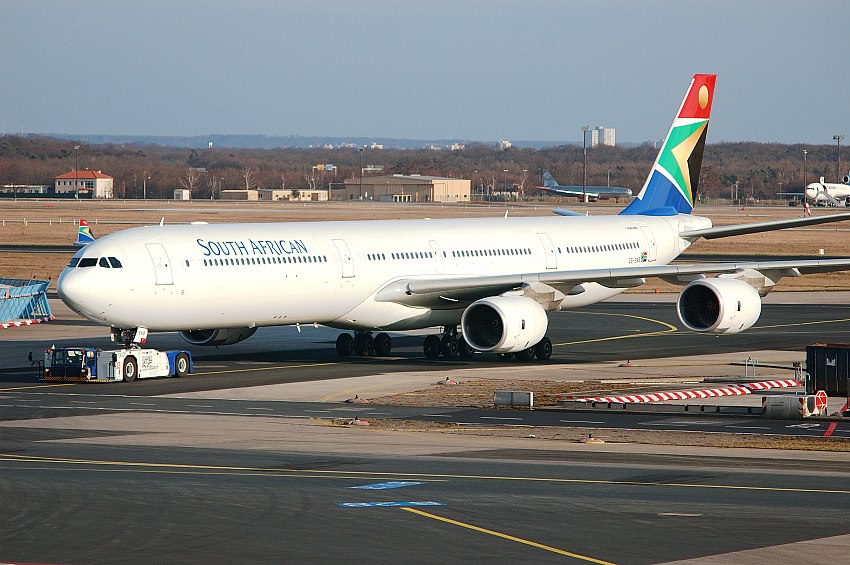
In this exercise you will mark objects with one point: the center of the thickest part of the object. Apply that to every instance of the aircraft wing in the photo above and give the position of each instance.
(740, 229)
(434, 292)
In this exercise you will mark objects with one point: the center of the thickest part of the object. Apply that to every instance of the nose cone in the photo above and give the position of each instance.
(73, 289)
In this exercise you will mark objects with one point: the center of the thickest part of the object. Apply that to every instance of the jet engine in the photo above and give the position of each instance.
(225, 336)
(718, 306)
(504, 324)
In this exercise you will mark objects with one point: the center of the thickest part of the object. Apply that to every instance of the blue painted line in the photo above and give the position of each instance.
(387, 504)
(387, 485)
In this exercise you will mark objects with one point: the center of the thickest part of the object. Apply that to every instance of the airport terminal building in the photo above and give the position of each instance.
(405, 188)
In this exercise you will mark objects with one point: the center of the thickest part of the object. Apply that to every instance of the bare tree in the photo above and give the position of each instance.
(315, 179)
(249, 175)
(489, 184)
(190, 179)
(215, 184)
(522, 180)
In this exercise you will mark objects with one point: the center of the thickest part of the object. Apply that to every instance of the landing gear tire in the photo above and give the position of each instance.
(504, 356)
(463, 348)
(432, 347)
(449, 346)
(364, 344)
(345, 345)
(383, 344)
(181, 365)
(130, 370)
(543, 349)
(525, 354)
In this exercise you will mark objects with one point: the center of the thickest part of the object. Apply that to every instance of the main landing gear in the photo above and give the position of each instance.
(542, 351)
(363, 344)
(450, 344)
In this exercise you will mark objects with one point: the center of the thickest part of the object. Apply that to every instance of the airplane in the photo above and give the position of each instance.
(84, 234)
(829, 193)
(487, 283)
(592, 192)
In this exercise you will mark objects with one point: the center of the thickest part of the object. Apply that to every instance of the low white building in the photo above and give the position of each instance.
(87, 184)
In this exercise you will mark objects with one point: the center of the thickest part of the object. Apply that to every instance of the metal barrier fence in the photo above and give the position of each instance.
(23, 302)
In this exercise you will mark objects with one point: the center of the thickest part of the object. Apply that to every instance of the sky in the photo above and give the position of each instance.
(478, 70)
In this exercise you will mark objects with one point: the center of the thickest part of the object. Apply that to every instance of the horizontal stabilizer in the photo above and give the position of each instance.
(742, 229)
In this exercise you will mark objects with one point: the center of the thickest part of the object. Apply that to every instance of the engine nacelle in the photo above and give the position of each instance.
(504, 324)
(226, 336)
(718, 306)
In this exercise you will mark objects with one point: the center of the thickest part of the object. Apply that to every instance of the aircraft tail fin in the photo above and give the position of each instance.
(84, 234)
(548, 179)
(673, 181)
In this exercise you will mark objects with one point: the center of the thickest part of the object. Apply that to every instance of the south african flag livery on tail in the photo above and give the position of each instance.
(673, 181)
(84, 234)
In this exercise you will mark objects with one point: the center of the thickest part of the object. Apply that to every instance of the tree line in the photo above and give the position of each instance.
(761, 170)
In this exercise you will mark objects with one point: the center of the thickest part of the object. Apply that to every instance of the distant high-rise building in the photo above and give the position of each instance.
(601, 135)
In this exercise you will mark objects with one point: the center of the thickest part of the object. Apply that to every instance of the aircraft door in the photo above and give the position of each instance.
(345, 258)
(652, 249)
(549, 249)
(161, 264)
(438, 256)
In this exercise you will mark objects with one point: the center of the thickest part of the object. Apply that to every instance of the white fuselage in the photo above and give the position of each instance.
(828, 192)
(205, 276)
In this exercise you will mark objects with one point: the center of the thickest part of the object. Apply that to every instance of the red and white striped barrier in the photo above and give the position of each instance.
(19, 323)
(733, 390)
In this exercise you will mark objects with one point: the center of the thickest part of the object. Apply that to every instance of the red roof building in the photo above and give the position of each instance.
(87, 184)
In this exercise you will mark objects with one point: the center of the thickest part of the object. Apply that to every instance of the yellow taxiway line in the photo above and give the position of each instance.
(506, 536)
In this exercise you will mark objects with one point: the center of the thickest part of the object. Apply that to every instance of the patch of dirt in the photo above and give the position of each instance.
(478, 393)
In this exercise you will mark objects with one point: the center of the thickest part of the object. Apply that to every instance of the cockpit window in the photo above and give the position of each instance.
(116, 264)
(74, 261)
(104, 262)
(87, 262)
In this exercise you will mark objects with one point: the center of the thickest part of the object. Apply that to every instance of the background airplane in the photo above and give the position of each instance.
(593, 192)
(829, 193)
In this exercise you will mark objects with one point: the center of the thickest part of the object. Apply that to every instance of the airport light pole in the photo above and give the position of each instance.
(838, 139)
(360, 150)
(805, 180)
(504, 180)
(584, 175)
(76, 174)
(522, 187)
(609, 178)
